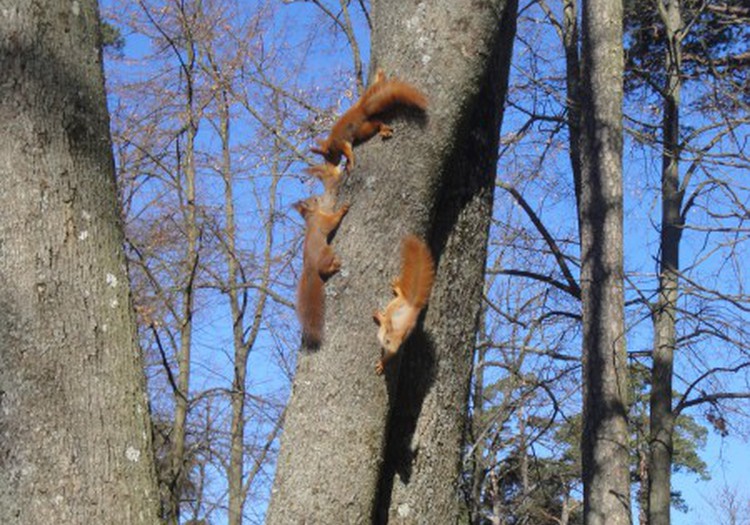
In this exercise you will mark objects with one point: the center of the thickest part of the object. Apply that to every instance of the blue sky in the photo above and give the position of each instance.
(727, 458)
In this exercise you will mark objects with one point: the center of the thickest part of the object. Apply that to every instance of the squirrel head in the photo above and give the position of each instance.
(327, 173)
(331, 154)
(323, 148)
(385, 332)
(307, 206)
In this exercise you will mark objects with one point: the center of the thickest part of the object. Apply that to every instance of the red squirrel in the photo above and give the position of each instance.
(358, 124)
(318, 264)
(330, 176)
(412, 291)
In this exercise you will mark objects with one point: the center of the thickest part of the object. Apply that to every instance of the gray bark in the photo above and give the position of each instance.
(665, 311)
(605, 436)
(357, 448)
(419, 483)
(75, 445)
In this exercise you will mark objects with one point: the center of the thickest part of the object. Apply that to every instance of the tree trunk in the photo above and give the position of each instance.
(74, 426)
(428, 418)
(241, 350)
(190, 268)
(665, 312)
(605, 434)
(435, 177)
(573, 89)
(478, 464)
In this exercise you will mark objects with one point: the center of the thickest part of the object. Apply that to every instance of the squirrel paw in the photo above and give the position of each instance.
(386, 132)
(379, 368)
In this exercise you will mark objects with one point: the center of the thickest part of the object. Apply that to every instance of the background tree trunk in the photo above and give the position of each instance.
(434, 178)
(189, 262)
(665, 311)
(74, 430)
(604, 444)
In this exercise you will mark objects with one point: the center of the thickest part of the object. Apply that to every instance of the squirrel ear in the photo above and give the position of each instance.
(316, 171)
(321, 148)
(301, 207)
(376, 316)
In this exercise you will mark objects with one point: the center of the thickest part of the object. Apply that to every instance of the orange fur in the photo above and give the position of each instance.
(318, 264)
(357, 125)
(330, 176)
(412, 291)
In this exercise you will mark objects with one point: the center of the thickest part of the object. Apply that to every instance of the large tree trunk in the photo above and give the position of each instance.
(428, 418)
(74, 427)
(605, 434)
(435, 177)
(665, 311)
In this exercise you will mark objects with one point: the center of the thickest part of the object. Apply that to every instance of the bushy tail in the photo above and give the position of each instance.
(389, 93)
(311, 308)
(417, 271)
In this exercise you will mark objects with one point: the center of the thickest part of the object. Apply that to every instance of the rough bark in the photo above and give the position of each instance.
(75, 444)
(605, 436)
(665, 311)
(478, 463)
(435, 178)
(427, 423)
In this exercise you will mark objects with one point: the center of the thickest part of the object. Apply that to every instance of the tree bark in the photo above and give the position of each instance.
(665, 311)
(427, 421)
(435, 177)
(74, 425)
(605, 434)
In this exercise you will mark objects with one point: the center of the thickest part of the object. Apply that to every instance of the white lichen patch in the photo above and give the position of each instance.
(86, 215)
(114, 303)
(416, 22)
(76, 8)
(111, 280)
(83, 235)
(132, 454)
(403, 510)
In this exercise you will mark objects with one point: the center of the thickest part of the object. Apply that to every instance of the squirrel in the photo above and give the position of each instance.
(319, 262)
(330, 176)
(357, 124)
(412, 291)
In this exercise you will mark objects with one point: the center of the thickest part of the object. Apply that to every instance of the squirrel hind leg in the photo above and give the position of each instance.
(348, 153)
(329, 264)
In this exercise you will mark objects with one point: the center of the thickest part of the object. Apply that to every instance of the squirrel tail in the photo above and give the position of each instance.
(417, 271)
(388, 93)
(311, 308)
